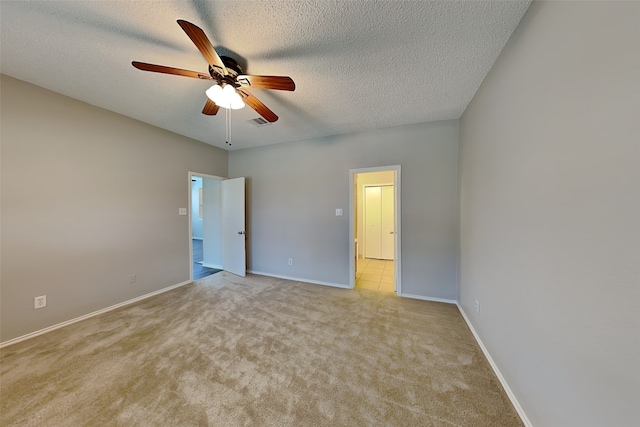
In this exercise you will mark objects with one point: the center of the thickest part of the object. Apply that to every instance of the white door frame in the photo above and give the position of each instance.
(397, 276)
(190, 213)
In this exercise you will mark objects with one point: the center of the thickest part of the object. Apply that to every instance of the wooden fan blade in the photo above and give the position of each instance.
(257, 105)
(267, 82)
(210, 108)
(199, 38)
(170, 70)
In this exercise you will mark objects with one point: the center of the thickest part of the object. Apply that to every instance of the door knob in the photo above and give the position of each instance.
(391, 232)
(240, 232)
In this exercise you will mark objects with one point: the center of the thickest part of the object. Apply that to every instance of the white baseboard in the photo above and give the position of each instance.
(86, 316)
(448, 301)
(216, 266)
(503, 381)
(298, 279)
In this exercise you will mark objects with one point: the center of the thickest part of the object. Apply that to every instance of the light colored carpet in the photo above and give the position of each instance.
(258, 351)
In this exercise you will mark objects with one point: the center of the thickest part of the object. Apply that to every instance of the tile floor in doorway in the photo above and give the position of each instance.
(375, 274)
(199, 271)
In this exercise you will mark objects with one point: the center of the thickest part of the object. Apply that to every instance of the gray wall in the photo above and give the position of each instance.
(294, 188)
(88, 198)
(550, 213)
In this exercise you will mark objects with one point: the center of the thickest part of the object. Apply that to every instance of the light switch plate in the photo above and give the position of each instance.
(338, 212)
(182, 211)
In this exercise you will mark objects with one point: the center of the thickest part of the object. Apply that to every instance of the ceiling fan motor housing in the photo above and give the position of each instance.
(233, 70)
(231, 64)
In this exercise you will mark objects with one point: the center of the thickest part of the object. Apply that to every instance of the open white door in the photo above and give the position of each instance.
(233, 227)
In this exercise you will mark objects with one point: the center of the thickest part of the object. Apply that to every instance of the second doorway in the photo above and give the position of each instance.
(374, 200)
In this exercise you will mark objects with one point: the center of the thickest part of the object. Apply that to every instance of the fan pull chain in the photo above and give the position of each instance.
(228, 126)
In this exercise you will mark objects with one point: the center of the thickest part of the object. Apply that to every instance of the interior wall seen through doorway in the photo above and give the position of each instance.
(196, 218)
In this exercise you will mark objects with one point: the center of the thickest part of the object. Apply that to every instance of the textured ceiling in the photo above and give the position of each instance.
(358, 65)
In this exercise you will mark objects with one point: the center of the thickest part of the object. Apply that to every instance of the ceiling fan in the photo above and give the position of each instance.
(230, 88)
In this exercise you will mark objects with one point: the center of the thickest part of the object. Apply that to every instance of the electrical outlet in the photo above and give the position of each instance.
(132, 278)
(40, 302)
(290, 261)
(477, 306)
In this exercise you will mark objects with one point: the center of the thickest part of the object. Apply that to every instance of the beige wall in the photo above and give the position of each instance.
(295, 188)
(88, 198)
(550, 213)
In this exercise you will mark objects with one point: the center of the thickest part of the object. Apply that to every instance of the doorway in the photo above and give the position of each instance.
(375, 223)
(206, 227)
(217, 212)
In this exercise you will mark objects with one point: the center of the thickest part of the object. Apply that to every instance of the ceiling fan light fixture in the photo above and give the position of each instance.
(228, 91)
(237, 103)
(225, 97)
(214, 93)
